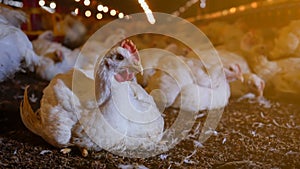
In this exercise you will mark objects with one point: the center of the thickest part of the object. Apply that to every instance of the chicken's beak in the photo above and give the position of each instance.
(136, 67)
(240, 77)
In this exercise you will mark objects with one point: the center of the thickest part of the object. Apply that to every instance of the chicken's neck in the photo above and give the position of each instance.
(103, 84)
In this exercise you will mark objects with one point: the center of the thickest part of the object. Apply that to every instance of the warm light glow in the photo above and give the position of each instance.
(147, 11)
(181, 9)
(203, 3)
(76, 11)
(217, 14)
(225, 12)
(88, 13)
(77, 0)
(242, 8)
(113, 12)
(105, 9)
(42, 2)
(151, 18)
(187, 5)
(144, 5)
(100, 8)
(121, 15)
(176, 13)
(99, 16)
(254, 4)
(52, 5)
(127, 17)
(13, 3)
(232, 10)
(86, 2)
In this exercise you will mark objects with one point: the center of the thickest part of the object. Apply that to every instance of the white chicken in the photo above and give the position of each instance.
(97, 44)
(12, 16)
(55, 58)
(281, 76)
(74, 31)
(248, 81)
(187, 83)
(15, 46)
(111, 112)
(251, 82)
(287, 44)
(224, 34)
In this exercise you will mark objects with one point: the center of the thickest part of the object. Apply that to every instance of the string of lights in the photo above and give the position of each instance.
(187, 5)
(147, 11)
(235, 10)
(17, 4)
(101, 9)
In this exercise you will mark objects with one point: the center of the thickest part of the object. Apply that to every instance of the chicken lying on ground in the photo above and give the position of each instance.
(15, 46)
(224, 34)
(251, 82)
(281, 76)
(55, 58)
(186, 82)
(111, 112)
(287, 43)
(73, 30)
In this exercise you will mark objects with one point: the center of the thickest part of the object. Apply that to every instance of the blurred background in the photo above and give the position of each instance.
(91, 12)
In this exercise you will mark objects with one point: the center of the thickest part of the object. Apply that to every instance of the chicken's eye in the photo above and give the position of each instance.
(119, 57)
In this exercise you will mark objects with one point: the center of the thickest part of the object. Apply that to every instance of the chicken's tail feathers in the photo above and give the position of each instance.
(30, 119)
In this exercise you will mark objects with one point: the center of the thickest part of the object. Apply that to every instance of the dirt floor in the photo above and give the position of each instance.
(248, 136)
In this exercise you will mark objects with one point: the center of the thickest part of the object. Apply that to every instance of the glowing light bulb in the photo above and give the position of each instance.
(202, 3)
(232, 10)
(86, 2)
(242, 8)
(151, 19)
(127, 17)
(176, 13)
(105, 9)
(121, 15)
(254, 4)
(52, 5)
(181, 9)
(88, 13)
(77, 0)
(113, 12)
(147, 11)
(42, 2)
(100, 8)
(99, 16)
(225, 12)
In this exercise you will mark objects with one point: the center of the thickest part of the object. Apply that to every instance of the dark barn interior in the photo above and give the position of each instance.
(196, 84)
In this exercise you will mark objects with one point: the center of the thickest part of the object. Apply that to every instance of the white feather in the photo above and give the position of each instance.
(15, 47)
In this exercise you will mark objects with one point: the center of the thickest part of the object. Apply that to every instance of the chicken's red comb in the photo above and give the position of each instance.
(129, 45)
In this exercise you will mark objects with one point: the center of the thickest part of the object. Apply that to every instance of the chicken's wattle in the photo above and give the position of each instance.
(124, 76)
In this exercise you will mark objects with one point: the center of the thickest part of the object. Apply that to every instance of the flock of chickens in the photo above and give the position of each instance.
(116, 102)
